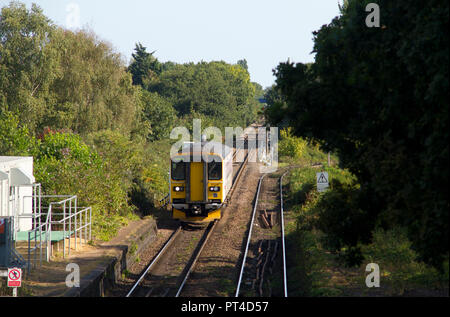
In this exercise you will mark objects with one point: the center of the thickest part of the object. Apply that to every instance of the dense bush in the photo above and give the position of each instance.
(14, 138)
(65, 165)
(290, 145)
(120, 155)
(316, 256)
(151, 183)
(398, 262)
(59, 145)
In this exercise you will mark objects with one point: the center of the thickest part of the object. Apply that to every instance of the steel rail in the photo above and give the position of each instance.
(249, 236)
(240, 148)
(211, 228)
(202, 244)
(282, 236)
(236, 179)
(155, 260)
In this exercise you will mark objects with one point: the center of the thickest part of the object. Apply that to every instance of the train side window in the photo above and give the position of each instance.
(215, 170)
(178, 171)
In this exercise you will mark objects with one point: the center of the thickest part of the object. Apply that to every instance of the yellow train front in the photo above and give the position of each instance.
(201, 177)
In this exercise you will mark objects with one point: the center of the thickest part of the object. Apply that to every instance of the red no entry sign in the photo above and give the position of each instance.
(14, 277)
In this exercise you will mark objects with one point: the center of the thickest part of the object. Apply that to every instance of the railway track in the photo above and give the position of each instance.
(236, 178)
(264, 257)
(164, 277)
(167, 273)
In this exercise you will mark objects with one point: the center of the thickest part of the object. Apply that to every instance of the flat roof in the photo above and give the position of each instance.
(4, 159)
(189, 147)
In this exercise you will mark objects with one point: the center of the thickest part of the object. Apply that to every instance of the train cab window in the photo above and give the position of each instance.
(178, 171)
(215, 170)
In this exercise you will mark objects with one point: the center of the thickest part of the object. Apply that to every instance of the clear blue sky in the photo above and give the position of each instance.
(265, 32)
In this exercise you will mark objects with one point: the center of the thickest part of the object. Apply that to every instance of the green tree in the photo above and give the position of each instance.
(121, 156)
(159, 113)
(217, 90)
(54, 77)
(378, 97)
(243, 63)
(144, 67)
(15, 139)
(27, 62)
(93, 91)
(275, 112)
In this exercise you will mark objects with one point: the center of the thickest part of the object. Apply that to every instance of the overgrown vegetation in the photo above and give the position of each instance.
(321, 264)
(290, 145)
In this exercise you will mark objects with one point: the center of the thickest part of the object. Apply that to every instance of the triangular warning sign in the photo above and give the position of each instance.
(322, 179)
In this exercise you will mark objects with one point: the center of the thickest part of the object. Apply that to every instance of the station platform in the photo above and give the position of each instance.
(101, 263)
(55, 236)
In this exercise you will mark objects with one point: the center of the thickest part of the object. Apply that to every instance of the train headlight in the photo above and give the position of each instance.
(178, 188)
(214, 189)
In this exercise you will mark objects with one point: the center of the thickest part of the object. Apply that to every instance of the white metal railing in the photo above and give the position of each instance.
(63, 216)
(18, 206)
(35, 235)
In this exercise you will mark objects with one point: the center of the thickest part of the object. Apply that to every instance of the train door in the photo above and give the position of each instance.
(196, 181)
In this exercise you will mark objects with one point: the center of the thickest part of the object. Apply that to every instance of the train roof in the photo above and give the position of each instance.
(211, 146)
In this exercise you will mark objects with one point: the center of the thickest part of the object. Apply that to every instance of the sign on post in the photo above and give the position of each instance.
(14, 277)
(322, 182)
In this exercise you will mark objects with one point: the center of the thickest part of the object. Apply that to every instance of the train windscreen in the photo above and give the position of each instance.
(178, 171)
(215, 170)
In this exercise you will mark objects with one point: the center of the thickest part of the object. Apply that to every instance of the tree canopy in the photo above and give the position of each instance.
(378, 97)
(144, 67)
(54, 77)
(28, 65)
(216, 89)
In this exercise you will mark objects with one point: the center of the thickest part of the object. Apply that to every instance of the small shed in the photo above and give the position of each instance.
(16, 190)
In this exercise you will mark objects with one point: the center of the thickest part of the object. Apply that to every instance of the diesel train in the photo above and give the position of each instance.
(201, 177)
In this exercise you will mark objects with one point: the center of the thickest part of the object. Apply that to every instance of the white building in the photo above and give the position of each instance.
(16, 190)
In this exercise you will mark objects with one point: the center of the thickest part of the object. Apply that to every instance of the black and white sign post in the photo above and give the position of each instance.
(15, 279)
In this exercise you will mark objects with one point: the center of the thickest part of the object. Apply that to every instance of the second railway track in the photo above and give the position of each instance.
(263, 267)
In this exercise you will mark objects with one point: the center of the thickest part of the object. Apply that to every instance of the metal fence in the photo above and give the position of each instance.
(64, 221)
